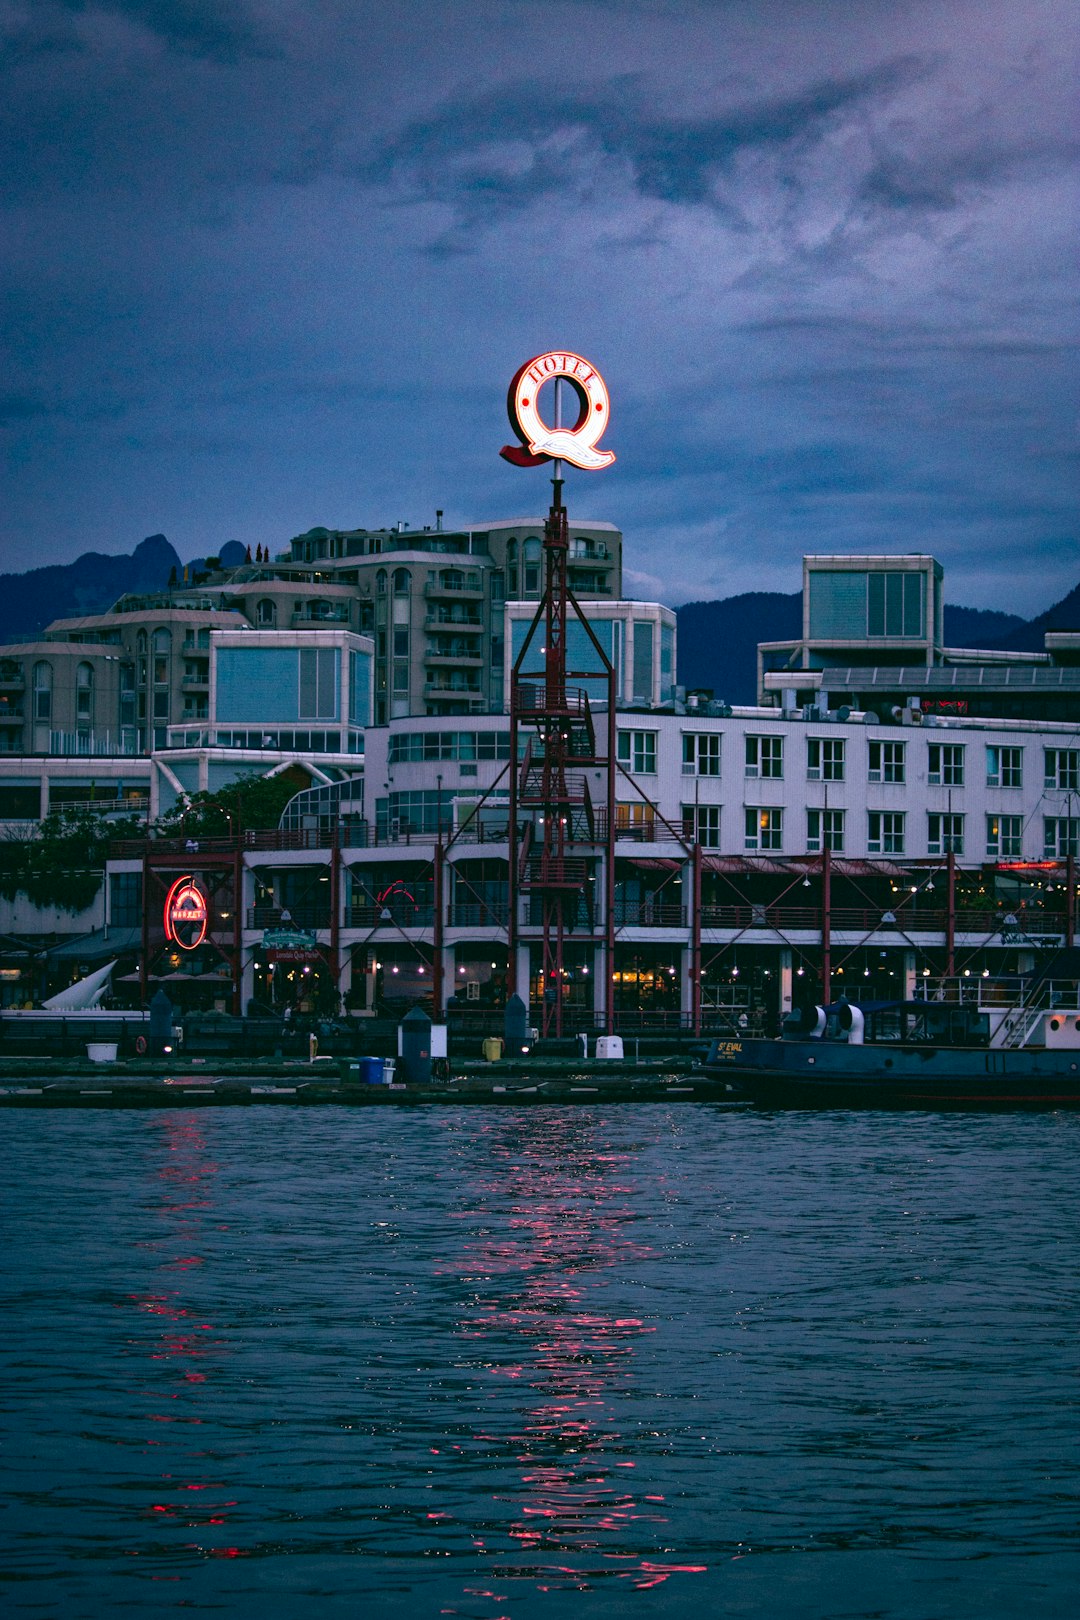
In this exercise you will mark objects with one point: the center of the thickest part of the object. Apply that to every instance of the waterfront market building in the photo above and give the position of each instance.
(826, 839)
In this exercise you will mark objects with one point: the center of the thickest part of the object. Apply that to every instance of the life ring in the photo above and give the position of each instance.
(140, 1045)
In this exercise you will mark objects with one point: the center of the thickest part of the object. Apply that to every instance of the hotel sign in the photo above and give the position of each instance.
(539, 442)
(187, 913)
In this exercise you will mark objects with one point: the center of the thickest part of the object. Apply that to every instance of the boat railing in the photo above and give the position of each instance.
(987, 992)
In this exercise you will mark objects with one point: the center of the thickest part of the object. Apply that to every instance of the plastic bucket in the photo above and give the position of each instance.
(101, 1051)
(389, 1065)
(371, 1071)
(493, 1049)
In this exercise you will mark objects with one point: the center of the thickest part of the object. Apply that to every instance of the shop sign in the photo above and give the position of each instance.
(187, 913)
(289, 939)
(539, 442)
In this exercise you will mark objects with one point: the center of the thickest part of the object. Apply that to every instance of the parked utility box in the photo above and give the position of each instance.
(414, 1047)
(609, 1046)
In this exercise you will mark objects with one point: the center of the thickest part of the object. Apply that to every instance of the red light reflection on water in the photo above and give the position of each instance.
(570, 1220)
(184, 1340)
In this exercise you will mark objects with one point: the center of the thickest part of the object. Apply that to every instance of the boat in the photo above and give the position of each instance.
(976, 1045)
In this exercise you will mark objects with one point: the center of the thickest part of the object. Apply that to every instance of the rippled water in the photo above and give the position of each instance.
(649, 1360)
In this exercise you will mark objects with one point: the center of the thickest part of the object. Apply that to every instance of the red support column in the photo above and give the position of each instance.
(950, 916)
(826, 925)
(695, 937)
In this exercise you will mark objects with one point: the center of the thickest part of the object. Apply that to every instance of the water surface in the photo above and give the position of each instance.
(539, 1361)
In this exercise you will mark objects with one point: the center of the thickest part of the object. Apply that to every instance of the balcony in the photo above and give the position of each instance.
(337, 617)
(466, 627)
(649, 914)
(10, 715)
(196, 683)
(13, 681)
(305, 914)
(454, 657)
(468, 589)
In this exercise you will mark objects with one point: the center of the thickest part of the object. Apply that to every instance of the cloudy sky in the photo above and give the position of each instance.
(272, 263)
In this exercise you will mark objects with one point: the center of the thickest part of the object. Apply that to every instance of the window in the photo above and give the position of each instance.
(946, 764)
(1060, 837)
(43, 691)
(266, 612)
(637, 752)
(825, 759)
(886, 762)
(1004, 837)
(1004, 767)
(701, 823)
(530, 553)
(512, 568)
(635, 820)
(824, 830)
(84, 693)
(945, 834)
(894, 604)
(1062, 768)
(402, 581)
(701, 753)
(885, 832)
(764, 828)
(125, 899)
(318, 683)
(765, 756)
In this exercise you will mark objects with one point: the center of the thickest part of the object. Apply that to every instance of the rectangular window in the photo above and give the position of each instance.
(765, 757)
(885, 832)
(637, 752)
(824, 830)
(1062, 768)
(635, 820)
(701, 753)
(1061, 837)
(643, 661)
(701, 822)
(825, 759)
(318, 683)
(1004, 767)
(894, 604)
(886, 762)
(161, 705)
(1004, 837)
(946, 764)
(944, 834)
(764, 829)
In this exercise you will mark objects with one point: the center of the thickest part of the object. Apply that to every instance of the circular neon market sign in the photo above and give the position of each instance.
(187, 912)
(539, 442)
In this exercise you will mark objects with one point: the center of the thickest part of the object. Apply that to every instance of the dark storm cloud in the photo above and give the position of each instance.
(269, 263)
(219, 30)
(507, 148)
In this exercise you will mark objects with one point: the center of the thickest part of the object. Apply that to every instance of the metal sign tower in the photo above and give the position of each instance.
(562, 831)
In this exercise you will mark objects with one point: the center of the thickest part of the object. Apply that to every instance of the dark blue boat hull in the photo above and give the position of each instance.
(815, 1073)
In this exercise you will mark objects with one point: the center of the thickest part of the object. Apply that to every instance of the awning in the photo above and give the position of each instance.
(653, 863)
(735, 864)
(98, 946)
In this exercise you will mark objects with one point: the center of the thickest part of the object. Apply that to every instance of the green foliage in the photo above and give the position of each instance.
(253, 804)
(62, 861)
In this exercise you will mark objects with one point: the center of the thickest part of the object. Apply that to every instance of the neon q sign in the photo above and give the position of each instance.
(538, 441)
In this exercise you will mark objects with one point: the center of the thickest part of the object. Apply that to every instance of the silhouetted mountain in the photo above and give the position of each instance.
(981, 627)
(1064, 615)
(718, 641)
(91, 584)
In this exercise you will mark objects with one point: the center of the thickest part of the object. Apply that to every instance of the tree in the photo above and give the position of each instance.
(252, 804)
(61, 861)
